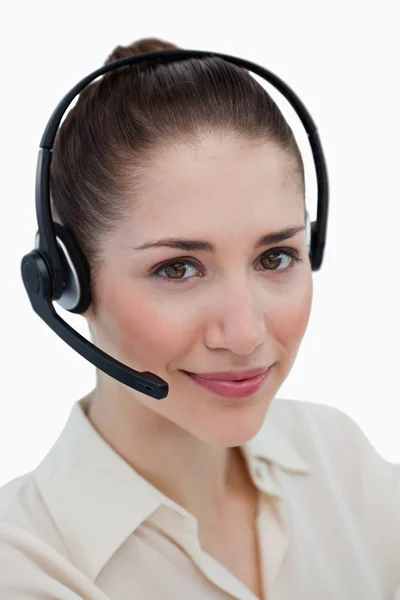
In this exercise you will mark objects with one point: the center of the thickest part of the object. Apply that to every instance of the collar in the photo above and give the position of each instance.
(97, 499)
(275, 442)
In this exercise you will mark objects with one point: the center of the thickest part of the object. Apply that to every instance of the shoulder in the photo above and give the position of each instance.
(28, 538)
(22, 507)
(30, 568)
(34, 562)
(347, 475)
(329, 440)
(335, 446)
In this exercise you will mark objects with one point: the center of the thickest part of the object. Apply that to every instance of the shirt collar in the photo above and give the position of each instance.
(97, 499)
(275, 440)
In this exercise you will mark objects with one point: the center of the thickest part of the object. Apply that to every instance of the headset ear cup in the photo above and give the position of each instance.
(311, 228)
(314, 227)
(76, 296)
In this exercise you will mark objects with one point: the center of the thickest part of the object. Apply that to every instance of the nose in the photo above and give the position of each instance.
(237, 321)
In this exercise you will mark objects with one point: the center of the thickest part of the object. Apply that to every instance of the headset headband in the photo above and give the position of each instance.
(44, 269)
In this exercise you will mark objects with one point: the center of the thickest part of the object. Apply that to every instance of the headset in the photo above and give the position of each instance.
(57, 271)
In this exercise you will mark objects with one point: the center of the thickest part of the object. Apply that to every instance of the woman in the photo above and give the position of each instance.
(184, 187)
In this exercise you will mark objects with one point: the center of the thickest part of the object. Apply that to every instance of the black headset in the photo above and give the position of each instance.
(56, 270)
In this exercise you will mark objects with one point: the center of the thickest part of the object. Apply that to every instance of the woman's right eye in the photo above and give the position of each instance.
(175, 271)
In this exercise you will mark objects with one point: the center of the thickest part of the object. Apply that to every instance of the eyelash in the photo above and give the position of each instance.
(181, 261)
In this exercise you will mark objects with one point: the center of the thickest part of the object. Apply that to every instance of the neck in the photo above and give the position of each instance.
(198, 476)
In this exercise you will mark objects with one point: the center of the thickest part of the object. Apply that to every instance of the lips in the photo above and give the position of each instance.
(231, 384)
(231, 375)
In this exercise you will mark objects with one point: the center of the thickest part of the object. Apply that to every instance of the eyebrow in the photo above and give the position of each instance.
(205, 246)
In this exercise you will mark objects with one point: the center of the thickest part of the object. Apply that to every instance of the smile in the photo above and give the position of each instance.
(234, 388)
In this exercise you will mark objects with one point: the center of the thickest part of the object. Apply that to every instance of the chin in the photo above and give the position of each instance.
(235, 427)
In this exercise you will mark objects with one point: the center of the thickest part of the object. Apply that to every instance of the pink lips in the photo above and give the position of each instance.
(232, 384)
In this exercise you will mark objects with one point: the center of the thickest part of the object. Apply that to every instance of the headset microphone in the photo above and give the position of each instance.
(57, 271)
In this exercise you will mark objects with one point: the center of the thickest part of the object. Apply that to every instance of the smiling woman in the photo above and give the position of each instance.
(242, 301)
(184, 187)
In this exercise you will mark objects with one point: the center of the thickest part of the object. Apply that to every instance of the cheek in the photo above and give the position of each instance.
(146, 331)
(289, 319)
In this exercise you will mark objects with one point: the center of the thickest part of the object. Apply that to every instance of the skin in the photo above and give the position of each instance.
(236, 315)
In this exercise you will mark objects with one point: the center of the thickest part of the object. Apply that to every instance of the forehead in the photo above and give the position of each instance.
(219, 184)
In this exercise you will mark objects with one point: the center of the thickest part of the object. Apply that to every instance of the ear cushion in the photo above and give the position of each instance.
(314, 228)
(76, 297)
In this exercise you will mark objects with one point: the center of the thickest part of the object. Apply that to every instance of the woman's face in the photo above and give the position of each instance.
(188, 284)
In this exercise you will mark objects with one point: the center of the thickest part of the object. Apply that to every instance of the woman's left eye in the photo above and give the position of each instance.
(176, 271)
(279, 259)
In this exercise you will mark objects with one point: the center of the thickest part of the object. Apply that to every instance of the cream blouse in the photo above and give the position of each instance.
(85, 526)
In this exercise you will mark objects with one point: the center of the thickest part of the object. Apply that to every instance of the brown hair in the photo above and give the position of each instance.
(120, 121)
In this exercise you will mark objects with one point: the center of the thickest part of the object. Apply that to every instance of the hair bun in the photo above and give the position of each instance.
(139, 47)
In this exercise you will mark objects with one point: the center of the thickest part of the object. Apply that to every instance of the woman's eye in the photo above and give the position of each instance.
(177, 271)
(279, 260)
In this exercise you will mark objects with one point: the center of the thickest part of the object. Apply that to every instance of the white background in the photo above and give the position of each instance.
(342, 60)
